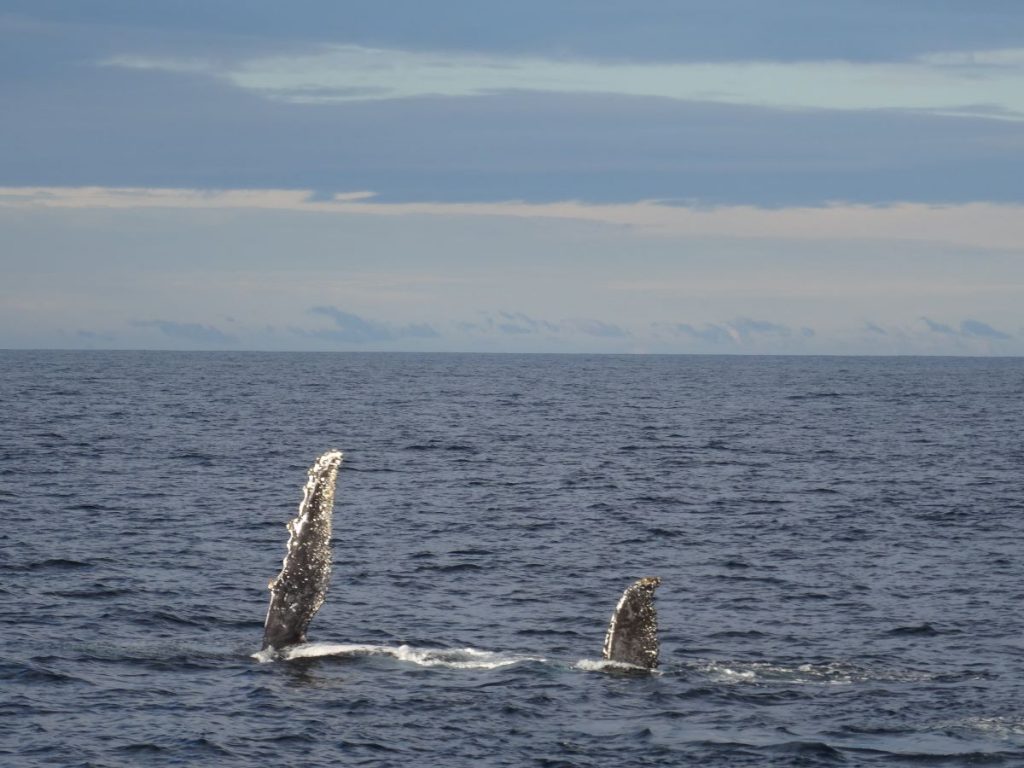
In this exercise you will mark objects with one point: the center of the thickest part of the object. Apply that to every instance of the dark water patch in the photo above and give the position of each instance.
(736, 633)
(166, 617)
(141, 750)
(450, 568)
(95, 592)
(655, 499)
(35, 674)
(547, 632)
(916, 630)
(735, 577)
(49, 565)
(87, 507)
(808, 752)
(1003, 757)
(451, 447)
(776, 696)
(196, 458)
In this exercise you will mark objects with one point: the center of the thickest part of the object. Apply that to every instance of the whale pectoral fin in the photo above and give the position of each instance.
(633, 632)
(299, 589)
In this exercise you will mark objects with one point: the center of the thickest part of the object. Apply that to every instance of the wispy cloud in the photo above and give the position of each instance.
(351, 328)
(982, 225)
(968, 329)
(748, 328)
(741, 330)
(192, 333)
(518, 323)
(940, 82)
(597, 328)
(936, 327)
(709, 332)
(92, 339)
(521, 324)
(981, 330)
(508, 323)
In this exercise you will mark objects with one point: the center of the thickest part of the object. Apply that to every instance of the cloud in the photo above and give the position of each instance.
(193, 333)
(976, 225)
(345, 73)
(184, 101)
(518, 323)
(138, 127)
(351, 328)
(748, 328)
(634, 30)
(968, 329)
(935, 327)
(981, 330)
(875, 329)
(741, 330)
(94, 336)
(597, 328)
(709, 332)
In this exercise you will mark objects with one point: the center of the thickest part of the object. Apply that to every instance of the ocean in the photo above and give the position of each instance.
(839, 542)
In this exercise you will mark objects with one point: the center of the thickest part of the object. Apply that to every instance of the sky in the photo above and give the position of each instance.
(621, 176)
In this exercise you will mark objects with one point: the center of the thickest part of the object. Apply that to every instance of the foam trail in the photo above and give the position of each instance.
(827, 673)
(607, 665)
(452, 658)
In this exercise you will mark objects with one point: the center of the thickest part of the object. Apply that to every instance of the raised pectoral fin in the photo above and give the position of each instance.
(299, 589)
(633, 631)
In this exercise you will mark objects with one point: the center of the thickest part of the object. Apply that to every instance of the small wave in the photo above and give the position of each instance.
(452, 658)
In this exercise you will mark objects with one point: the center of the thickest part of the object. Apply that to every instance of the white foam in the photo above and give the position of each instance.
(1002, 727)
(764, 672)
(827, 673)
(607, 665)
(452, 658)
(267, 654)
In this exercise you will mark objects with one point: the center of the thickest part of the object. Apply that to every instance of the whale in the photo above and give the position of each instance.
(299, 590)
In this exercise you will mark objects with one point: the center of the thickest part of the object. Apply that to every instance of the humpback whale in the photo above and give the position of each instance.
(300, 588)
(633, 631)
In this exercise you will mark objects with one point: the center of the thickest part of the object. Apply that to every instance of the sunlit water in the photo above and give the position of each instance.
(839, 542)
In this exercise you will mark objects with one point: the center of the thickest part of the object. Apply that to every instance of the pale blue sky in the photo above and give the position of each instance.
(642, 176)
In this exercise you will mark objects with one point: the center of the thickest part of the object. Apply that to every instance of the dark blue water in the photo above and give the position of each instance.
(840, 543)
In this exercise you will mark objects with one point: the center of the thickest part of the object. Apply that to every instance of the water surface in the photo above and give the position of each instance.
(839, 541)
